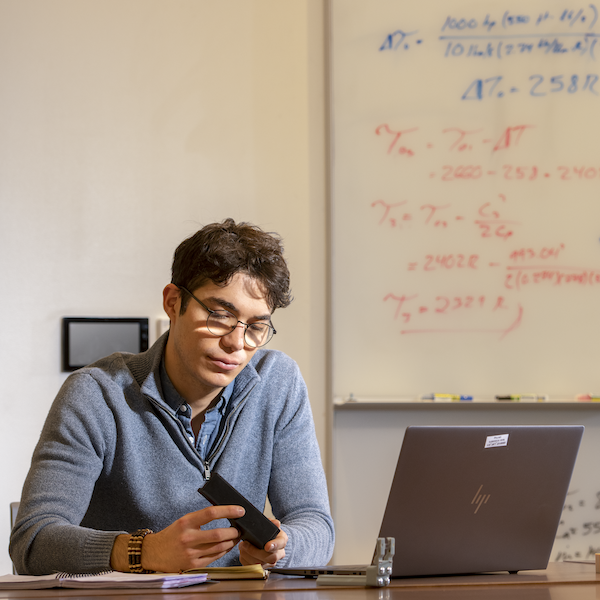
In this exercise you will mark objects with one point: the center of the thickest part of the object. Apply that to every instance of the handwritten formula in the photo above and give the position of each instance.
(578, 535)
(515, 265)
(515, 36)
(466, 186)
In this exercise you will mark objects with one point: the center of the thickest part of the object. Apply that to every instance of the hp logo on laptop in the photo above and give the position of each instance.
(480, 499)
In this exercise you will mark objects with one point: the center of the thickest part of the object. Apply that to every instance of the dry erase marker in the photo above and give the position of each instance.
(523, 398)
(437, 397)
(534, 397)
(587, 398)
(445, 398)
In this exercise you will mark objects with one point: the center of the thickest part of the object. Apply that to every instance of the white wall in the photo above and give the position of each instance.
(125, 125)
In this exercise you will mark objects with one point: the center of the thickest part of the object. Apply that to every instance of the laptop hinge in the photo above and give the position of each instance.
(378, 572)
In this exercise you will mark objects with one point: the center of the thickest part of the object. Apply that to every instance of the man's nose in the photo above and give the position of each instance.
(235, 339)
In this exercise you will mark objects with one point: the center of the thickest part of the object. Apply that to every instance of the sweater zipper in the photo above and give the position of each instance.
(222, 439)
(207, 471)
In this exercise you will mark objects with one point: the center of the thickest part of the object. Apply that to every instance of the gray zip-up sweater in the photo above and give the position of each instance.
(113, 457)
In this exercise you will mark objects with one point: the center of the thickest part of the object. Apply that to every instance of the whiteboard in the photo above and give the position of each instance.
(465, 197)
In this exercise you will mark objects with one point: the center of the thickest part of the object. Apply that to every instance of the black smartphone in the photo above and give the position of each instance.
(254, 527)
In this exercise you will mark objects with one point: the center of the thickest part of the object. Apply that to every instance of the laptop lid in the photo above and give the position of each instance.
(478, 498)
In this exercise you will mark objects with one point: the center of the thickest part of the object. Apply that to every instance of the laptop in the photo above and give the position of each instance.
(474, 499)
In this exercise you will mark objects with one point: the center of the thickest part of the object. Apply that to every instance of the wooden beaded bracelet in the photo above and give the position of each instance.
(134, 550)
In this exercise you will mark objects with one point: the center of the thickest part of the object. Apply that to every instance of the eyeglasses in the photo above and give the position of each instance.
(222, 322)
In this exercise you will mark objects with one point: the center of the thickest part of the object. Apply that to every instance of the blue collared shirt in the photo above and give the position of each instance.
(214, 419)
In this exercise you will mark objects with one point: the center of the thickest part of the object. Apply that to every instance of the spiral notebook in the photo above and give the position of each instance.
(106, 579)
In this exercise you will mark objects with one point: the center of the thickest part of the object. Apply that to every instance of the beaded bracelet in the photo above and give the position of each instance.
(134, 550)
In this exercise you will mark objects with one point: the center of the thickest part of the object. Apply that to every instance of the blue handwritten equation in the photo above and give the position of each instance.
(509, 46)
(509, 36)
(535, 85)
(569, 31)
(571, 18)
(400, 40)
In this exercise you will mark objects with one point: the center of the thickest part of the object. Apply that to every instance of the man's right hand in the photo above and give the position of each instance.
(183, 545)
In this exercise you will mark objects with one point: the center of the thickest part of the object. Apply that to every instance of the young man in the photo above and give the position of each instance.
(130, 438)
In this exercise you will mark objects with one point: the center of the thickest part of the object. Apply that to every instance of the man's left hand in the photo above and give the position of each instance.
(273, 551)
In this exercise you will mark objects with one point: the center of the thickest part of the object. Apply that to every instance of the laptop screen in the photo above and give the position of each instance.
(477, 498)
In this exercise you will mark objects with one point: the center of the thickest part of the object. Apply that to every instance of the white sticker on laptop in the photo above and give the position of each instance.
(495, 441)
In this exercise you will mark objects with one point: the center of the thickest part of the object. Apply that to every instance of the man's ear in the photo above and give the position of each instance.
(171, 301)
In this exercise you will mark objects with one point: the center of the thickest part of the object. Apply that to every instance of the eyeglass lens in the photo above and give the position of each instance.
(256, 334)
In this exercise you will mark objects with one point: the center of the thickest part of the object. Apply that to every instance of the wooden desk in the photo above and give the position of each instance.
(561, 581)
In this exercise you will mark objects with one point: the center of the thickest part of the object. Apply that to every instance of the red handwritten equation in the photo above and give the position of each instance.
(444, 305)
(487, 220)
(516, 268)
(401, 142)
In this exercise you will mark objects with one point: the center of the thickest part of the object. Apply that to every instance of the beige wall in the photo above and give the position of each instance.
(124, 126)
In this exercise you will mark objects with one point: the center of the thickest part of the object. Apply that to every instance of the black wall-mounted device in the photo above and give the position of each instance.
(86, 339)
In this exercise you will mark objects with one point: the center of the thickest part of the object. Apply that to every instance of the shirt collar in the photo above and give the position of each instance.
(174, 399)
